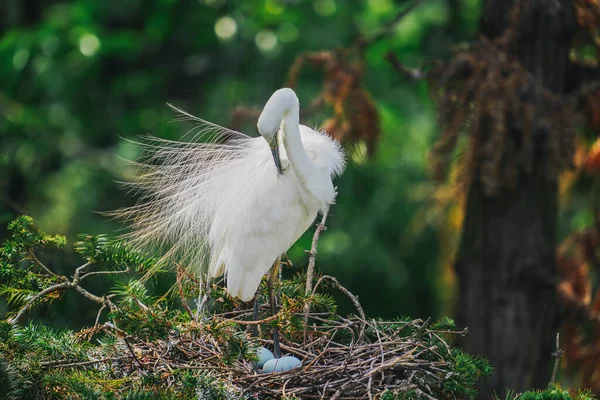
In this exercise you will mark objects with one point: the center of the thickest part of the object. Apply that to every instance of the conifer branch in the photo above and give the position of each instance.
(43, 293)
(40, 264)
(73, 284)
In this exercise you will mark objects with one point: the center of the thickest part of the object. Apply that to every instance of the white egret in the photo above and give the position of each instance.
(233, 206)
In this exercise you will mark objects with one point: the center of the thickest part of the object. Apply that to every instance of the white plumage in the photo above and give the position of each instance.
(223, 207)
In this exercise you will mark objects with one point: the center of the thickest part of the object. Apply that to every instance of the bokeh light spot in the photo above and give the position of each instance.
(89, 44)
(359, 153)
(324, 8)
(381, 6)
(274, 7)
(287, 32)
(266, 40)
(212, 3)
(225, 27)
(20, 59)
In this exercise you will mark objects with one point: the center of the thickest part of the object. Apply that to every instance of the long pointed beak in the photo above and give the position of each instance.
(275, 151)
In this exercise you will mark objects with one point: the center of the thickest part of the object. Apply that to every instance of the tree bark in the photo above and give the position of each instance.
(506, 260)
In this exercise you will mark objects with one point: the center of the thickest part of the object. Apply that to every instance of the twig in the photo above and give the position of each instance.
(349, 294)
(125, 271)
(31, 301)
(60, 364)
(310, 271)
(98, 315)
(370, 392)
(74, 284)
(413, 74)
(557, 355)
(184, 302)
(257, 322)
(386, 28)
(93, 297)
(32, 255)
(139, 363)
(80, 270)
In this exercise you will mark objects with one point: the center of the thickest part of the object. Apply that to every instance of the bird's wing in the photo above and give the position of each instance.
(248, 234)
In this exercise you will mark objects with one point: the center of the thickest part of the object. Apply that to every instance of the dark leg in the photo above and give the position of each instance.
(254, 328)
(273, 300)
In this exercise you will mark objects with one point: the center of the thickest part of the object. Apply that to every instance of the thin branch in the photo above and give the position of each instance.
(413, 74)
(389, 26)
(257, 322)
(139, 363)
(557, 355)
(310, 272)
(184, 302)
(125, 271)
(92, 297)
(98, 315)
(60, 364)
(349, 294)
(80, 270)
(38, 262)
(31, 301)
(74, 284)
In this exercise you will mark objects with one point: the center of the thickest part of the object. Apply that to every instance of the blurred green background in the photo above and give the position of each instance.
(78, 76)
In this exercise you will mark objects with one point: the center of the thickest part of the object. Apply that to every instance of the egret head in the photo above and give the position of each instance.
(269, 131)
(279, 104)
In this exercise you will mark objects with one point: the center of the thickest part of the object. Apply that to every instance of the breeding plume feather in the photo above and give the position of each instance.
(235, 204)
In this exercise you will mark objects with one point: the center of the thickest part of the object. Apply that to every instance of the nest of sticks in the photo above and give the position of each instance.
(342, 357)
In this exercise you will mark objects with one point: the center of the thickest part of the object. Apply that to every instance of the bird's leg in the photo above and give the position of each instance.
(203, 297)
(273, 300)
(254, 328)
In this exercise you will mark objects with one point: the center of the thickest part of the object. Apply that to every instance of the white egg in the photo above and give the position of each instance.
(276, 365)
(264, 355)
(281, 364)
(292, 361)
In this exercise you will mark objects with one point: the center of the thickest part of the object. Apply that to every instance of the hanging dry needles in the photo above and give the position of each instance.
(578, 258)
(355, 119)
(514, 123)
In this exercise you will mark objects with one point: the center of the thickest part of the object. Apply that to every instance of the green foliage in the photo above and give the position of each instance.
(113, 253)
(141, 314)
(13, 384)
(24, 239)
(445, 323)
(21, 273)
(104, 362)
(76, 77)
(467, 371)
(408, 395)
(553, 393)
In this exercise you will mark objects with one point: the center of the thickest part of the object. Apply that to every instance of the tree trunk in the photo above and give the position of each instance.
(506, 260)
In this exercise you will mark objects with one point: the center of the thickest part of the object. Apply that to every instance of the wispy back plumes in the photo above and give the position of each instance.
(181, 185)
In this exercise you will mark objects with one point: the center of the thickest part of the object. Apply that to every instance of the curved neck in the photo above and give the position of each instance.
(300, 162)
